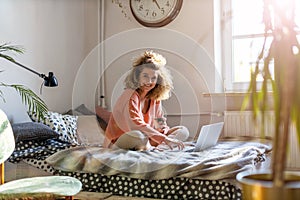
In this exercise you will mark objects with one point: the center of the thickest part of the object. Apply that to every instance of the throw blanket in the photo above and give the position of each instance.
(222, 161)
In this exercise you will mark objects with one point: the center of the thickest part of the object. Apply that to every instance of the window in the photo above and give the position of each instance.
(243, 37)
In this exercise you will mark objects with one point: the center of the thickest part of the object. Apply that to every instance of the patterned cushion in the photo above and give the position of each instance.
(64, 125)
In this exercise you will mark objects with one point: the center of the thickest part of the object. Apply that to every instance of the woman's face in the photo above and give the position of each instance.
(148, 79)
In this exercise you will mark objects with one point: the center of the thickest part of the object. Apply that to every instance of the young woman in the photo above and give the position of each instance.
(137, 121)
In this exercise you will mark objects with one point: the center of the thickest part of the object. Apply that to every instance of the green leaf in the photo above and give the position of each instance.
(1, 96)
(34, 103)
(6, 48)
(3, 126)
(56, 185)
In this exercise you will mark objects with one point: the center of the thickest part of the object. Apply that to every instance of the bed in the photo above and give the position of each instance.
(75, 151)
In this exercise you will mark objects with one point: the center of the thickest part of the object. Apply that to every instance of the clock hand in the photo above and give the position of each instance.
(156, 3)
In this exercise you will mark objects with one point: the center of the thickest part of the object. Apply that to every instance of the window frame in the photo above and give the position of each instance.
(227, 49)
(227, 38)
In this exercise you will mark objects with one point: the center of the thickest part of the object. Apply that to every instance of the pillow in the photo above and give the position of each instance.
(72, 112)
(64, 125)
(103, 116)
(88, 130)
(84, 110)
(80, 110)
(32, 131)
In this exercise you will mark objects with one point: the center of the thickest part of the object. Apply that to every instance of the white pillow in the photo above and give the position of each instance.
(89, 131)
(64, 125)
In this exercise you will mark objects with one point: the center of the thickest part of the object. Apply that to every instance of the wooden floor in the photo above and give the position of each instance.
(108, 196)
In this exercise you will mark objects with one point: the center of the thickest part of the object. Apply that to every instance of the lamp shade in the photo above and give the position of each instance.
(51, 80)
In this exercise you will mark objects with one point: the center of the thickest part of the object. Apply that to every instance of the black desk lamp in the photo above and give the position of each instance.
(49, 81)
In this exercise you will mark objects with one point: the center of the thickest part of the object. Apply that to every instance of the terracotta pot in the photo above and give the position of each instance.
(259, 186)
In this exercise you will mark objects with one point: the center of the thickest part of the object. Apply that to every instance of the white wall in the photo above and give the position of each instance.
(57, 36)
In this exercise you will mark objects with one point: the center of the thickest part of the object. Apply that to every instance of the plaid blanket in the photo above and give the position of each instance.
(222, 161)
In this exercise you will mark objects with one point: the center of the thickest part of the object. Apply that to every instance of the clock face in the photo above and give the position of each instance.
(155, 13)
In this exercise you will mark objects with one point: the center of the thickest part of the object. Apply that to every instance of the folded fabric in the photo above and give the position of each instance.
(89, 131)
(103, 116)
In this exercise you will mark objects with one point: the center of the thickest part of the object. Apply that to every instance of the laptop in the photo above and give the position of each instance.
(208, 136)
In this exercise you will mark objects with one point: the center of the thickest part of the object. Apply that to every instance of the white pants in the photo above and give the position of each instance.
(136, 140)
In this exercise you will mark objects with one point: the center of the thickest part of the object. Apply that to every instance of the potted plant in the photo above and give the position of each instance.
(33, 102)
(284, 52)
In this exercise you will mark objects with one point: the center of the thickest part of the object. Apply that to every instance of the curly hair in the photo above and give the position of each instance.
(155, 61)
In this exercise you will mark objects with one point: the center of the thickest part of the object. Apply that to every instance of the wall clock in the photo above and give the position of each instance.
(155, 13)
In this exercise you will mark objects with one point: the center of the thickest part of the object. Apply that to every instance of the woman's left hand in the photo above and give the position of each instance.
(172, 142)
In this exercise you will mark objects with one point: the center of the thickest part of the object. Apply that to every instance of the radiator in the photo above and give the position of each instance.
(240, 123)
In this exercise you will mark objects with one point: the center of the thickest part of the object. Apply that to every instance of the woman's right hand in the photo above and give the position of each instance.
(172, 142)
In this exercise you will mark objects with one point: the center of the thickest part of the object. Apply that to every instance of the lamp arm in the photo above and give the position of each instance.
(49, 81)
(40, 75)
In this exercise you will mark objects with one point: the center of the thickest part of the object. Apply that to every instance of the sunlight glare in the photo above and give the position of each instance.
(295, 50)
(248, 17)
(248, 21)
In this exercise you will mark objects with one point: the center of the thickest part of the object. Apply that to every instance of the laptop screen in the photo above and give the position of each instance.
(208, 136)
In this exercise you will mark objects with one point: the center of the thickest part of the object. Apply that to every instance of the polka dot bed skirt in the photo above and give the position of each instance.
(173, 188)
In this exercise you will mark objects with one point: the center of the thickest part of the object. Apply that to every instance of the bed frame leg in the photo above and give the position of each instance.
(2, 173)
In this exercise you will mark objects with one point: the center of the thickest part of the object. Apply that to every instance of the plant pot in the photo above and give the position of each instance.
(259, 186)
